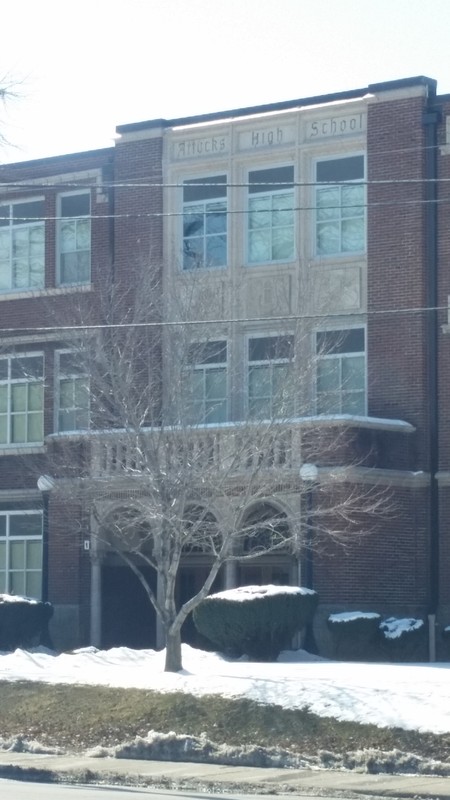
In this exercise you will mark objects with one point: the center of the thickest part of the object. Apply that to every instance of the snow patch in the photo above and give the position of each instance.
(393, 628)
(350, 616)
(243, 593)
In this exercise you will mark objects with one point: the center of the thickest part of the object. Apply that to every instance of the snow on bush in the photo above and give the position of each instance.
(394, 628)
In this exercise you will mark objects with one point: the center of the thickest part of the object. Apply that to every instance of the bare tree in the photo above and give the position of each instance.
(188, 481)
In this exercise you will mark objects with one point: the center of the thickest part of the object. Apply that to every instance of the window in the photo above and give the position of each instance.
(22, 245)
(269, 362)
(341, 372)
(271, 215)
(340, 211)
(73, 394)
(208, 382)
(21, 553)
(75, 238)
(205, 222)
(21, 399)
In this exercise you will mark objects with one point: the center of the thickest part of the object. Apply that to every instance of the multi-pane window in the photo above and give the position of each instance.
(208, 382)
(205, 222)
(341, 372)
(271, 215)
(73, 394)
(340, 206)
(270, 390)
(75, 238)
(22, 245)
(21, 399)
(21, 553)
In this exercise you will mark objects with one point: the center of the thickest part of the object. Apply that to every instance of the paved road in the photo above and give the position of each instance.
(16, 790)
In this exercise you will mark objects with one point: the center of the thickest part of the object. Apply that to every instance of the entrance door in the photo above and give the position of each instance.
(128, 618)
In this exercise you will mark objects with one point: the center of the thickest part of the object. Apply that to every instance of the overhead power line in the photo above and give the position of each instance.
(285, 319)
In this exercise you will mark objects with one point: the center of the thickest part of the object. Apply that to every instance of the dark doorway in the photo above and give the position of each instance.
(128, 619)
(189, 582)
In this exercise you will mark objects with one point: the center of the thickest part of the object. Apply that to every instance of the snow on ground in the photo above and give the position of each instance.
(411, 696)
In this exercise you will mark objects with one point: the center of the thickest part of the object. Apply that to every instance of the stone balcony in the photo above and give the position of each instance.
(238, 449)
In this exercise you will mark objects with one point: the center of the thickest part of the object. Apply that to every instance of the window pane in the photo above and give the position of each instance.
(350, 168)
(27, 367)
(259, 212)
(216, 411)
(204, 188)
(348, 340)
(267, 348)
(328, 375)
(2, 556)
(3, 430)
(25, 525)
(216, 218)
(68, 237)
(328, 203)
(75, 205)
(34, 555)
(353, 373)
(260, 249)
(353, 235)
(282, 244)
(216, 251)
(66, 394)
(269, 180)
(33, 585)
(3, 399)
(17, 583)
(259, 382)
(19, 397)
(216, 383)
(35, 397)
(328, 238)
(2, 525)
(17, 555)
(35, 431)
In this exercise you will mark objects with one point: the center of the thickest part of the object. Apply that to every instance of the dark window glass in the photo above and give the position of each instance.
(345, 341)
(27, 367)
(25, 525)
(341, 169)
(267, 180)
(270, 348)
(208, 353)
(28, 212)
(75, 205)
(204, 188)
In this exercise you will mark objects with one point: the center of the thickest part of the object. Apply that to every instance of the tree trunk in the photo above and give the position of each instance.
(173, 651)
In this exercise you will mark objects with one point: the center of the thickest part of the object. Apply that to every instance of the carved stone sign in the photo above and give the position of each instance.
(335, 126)
(275, 136)
(206, 146)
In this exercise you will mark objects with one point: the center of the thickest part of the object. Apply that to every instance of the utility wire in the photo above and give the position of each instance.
(288, 318)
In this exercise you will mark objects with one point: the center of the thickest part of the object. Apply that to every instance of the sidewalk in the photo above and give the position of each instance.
(218, 778)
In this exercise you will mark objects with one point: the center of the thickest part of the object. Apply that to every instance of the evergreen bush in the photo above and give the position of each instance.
(257, 621)
(355, 635)
(23, 622)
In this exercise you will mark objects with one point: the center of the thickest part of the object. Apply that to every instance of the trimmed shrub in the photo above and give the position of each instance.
(23, 622)
(355, 634)
(257, 621)
(404, 639)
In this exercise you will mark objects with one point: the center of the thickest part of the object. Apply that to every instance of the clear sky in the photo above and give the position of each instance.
(89, 66)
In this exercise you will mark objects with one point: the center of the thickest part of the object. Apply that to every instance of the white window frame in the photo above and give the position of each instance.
(269, 363)
(205, 204)
(9, 414)
(343, 392)
(340, 252)
(205, 367)
(72, 376)
(59, 237)
(277, 191)
(8, 539)
(27, 225)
